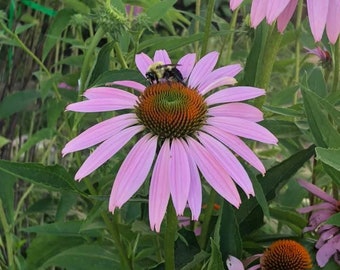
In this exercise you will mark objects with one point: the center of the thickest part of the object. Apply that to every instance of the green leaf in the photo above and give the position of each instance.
(250, 215)
(45, 133)
(103, 61)
(215, 261)
(17, 102)
(328, 156)
(290, 217)
(333, 173)
(66, 202)
(334, 220)
(323, 131)
(117, 75)
(77, 5)
(230, 238)
(282, 129)
(60, 22)
(316, 82)
(50, 177)
(157, 11)
(7, 183)
(3, 141)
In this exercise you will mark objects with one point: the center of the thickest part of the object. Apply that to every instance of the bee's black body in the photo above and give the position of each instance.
(159, 72)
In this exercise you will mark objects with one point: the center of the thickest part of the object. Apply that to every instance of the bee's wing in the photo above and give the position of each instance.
(167, 65)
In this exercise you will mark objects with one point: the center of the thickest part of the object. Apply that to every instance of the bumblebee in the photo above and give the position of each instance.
(160, 72)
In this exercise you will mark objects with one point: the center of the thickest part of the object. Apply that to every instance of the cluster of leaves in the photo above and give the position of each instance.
(48, 220)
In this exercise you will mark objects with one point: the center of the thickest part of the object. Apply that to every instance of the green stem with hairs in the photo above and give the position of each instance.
(207, 27)
(264, 72)
(203, 238)
(336, 66)
(197, 23)
(120, 56)
(298, 44)
(229, 40)
(31, 54)
(170, 236)
(86, 67)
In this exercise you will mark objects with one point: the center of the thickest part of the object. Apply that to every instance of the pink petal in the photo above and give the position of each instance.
(234, 94)
(286, 15)
(222, 81)
(274, 9)
(243, 128)
(103, 105)
(234, 264)
(232, 70)
(162, 56)
(131, 84)
(179, 175)
(203, 67)
(143, 62)
(333, 21)
(317, 191)
(234, 4)
(317, 14)
(100, 132)
(195, 192)
(107, 93)
(228, 161)
(106, 150)
(213, 172)
(328, 250)
(133, 171)
(159, 193)
(258, 12)
(237, 145)
(186, 64)
(241, 110)
(315, 207)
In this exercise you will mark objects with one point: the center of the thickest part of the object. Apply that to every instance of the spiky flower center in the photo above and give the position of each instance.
(286, 254)
(171, 110)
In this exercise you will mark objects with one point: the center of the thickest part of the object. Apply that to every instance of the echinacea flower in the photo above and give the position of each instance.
(329, 235)
(181, 128)
(321, 15)
(280, 255)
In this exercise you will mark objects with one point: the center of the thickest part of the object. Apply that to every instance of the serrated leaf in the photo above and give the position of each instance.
(328, 156)
(50, 177)
(215, 261)
(17, 102)
(60, 22)
(323, 131)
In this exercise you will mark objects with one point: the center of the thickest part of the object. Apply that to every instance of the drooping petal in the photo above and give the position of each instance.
(317, 14)
(106, 150)
(133, 171)
(107, 93)
(100, 132)
(328, 250)
(186, 64)
(143, 62)
(243, 128)
(258, 12)
(240, 110)
(162, 56)
(234, 264)
(213, 172)
(333, 21)
(103, 105)
(274, 9)
(315, 207)
(195, 192)
(286, 15)
(229, 162)
(234, 4)
(234, 94)
(131, 84)
(202, 68)
(317, 191)
(237, 145)
(159, 193)
(179, 176)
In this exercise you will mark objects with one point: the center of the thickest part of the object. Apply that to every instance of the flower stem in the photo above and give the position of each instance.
(270, 51)
(8, 236)
(203, 240)
(85, 71)
(120, 55)
(207, 27)
(169, 237)
(197, 23)
(229, 39)
(336, 66)
(298, 45)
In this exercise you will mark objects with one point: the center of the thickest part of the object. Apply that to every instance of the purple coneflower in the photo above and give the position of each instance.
(329, 235)
(181, 128)
(321, 15)
(280, 255)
